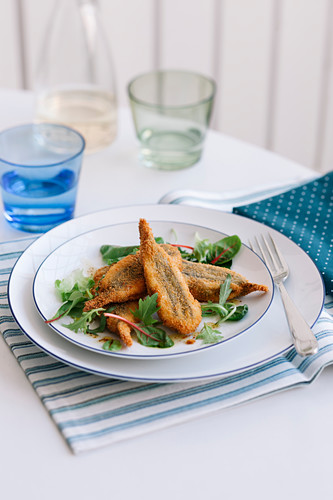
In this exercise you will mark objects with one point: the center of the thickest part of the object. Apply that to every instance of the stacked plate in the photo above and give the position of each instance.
(261, 335)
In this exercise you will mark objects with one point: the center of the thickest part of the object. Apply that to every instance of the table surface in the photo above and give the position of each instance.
(276, 447)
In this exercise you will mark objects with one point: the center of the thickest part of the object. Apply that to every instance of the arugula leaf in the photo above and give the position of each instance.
(146, 309)
(102, 323)
(231, 309)
(239, 313)
(225, 290)
(76, 311)
(82, 323)
(211, 309)
(73, 290)
(209, 336)
(74, 304)
(112, 345)
(228, 311)
(144, 312)
(62, 311)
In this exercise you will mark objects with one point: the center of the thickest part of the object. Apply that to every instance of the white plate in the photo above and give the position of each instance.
(83, 252)
(265, 341)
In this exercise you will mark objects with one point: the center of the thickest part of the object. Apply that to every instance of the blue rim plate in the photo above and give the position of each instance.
(265, 341)
(84, 250)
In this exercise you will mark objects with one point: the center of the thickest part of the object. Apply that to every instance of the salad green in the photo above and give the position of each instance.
(227, 311)
(76, 289)
(219, 253)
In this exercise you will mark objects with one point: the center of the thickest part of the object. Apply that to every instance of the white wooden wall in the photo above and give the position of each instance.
(272, 60)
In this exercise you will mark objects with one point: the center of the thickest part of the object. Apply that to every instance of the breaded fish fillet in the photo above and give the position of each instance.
(99, 274)
(204, 281)
(120, 327)
(126, 274)
(178, 309)
(123, 280)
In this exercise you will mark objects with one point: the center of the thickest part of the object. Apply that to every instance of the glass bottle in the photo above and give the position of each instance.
(75, 78)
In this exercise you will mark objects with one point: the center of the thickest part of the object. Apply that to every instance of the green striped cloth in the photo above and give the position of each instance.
(91, 411)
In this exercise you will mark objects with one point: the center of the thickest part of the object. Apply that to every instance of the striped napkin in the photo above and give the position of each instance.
(91, 411)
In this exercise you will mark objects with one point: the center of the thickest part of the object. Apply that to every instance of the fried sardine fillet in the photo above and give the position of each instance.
(124, 280)
(178, 309)
(99, 274)
(204, 281)
(120, 327)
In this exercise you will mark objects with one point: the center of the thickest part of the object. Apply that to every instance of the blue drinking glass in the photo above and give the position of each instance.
(39, 171)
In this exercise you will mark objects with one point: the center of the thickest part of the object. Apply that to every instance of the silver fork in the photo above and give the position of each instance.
(304, 340)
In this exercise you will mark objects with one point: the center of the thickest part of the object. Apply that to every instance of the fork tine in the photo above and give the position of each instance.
(279, 254)
(273, 259)
(263, 254)
(274, 263)
(304, 340)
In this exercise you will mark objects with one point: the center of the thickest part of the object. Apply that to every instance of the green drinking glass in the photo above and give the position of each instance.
(171, 111)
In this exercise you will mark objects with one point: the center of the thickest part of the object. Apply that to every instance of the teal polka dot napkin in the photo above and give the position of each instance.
(304, 215)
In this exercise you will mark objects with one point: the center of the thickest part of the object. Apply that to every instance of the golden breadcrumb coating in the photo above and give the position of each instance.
(178, 309)
(120, 327)
(204, 281)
